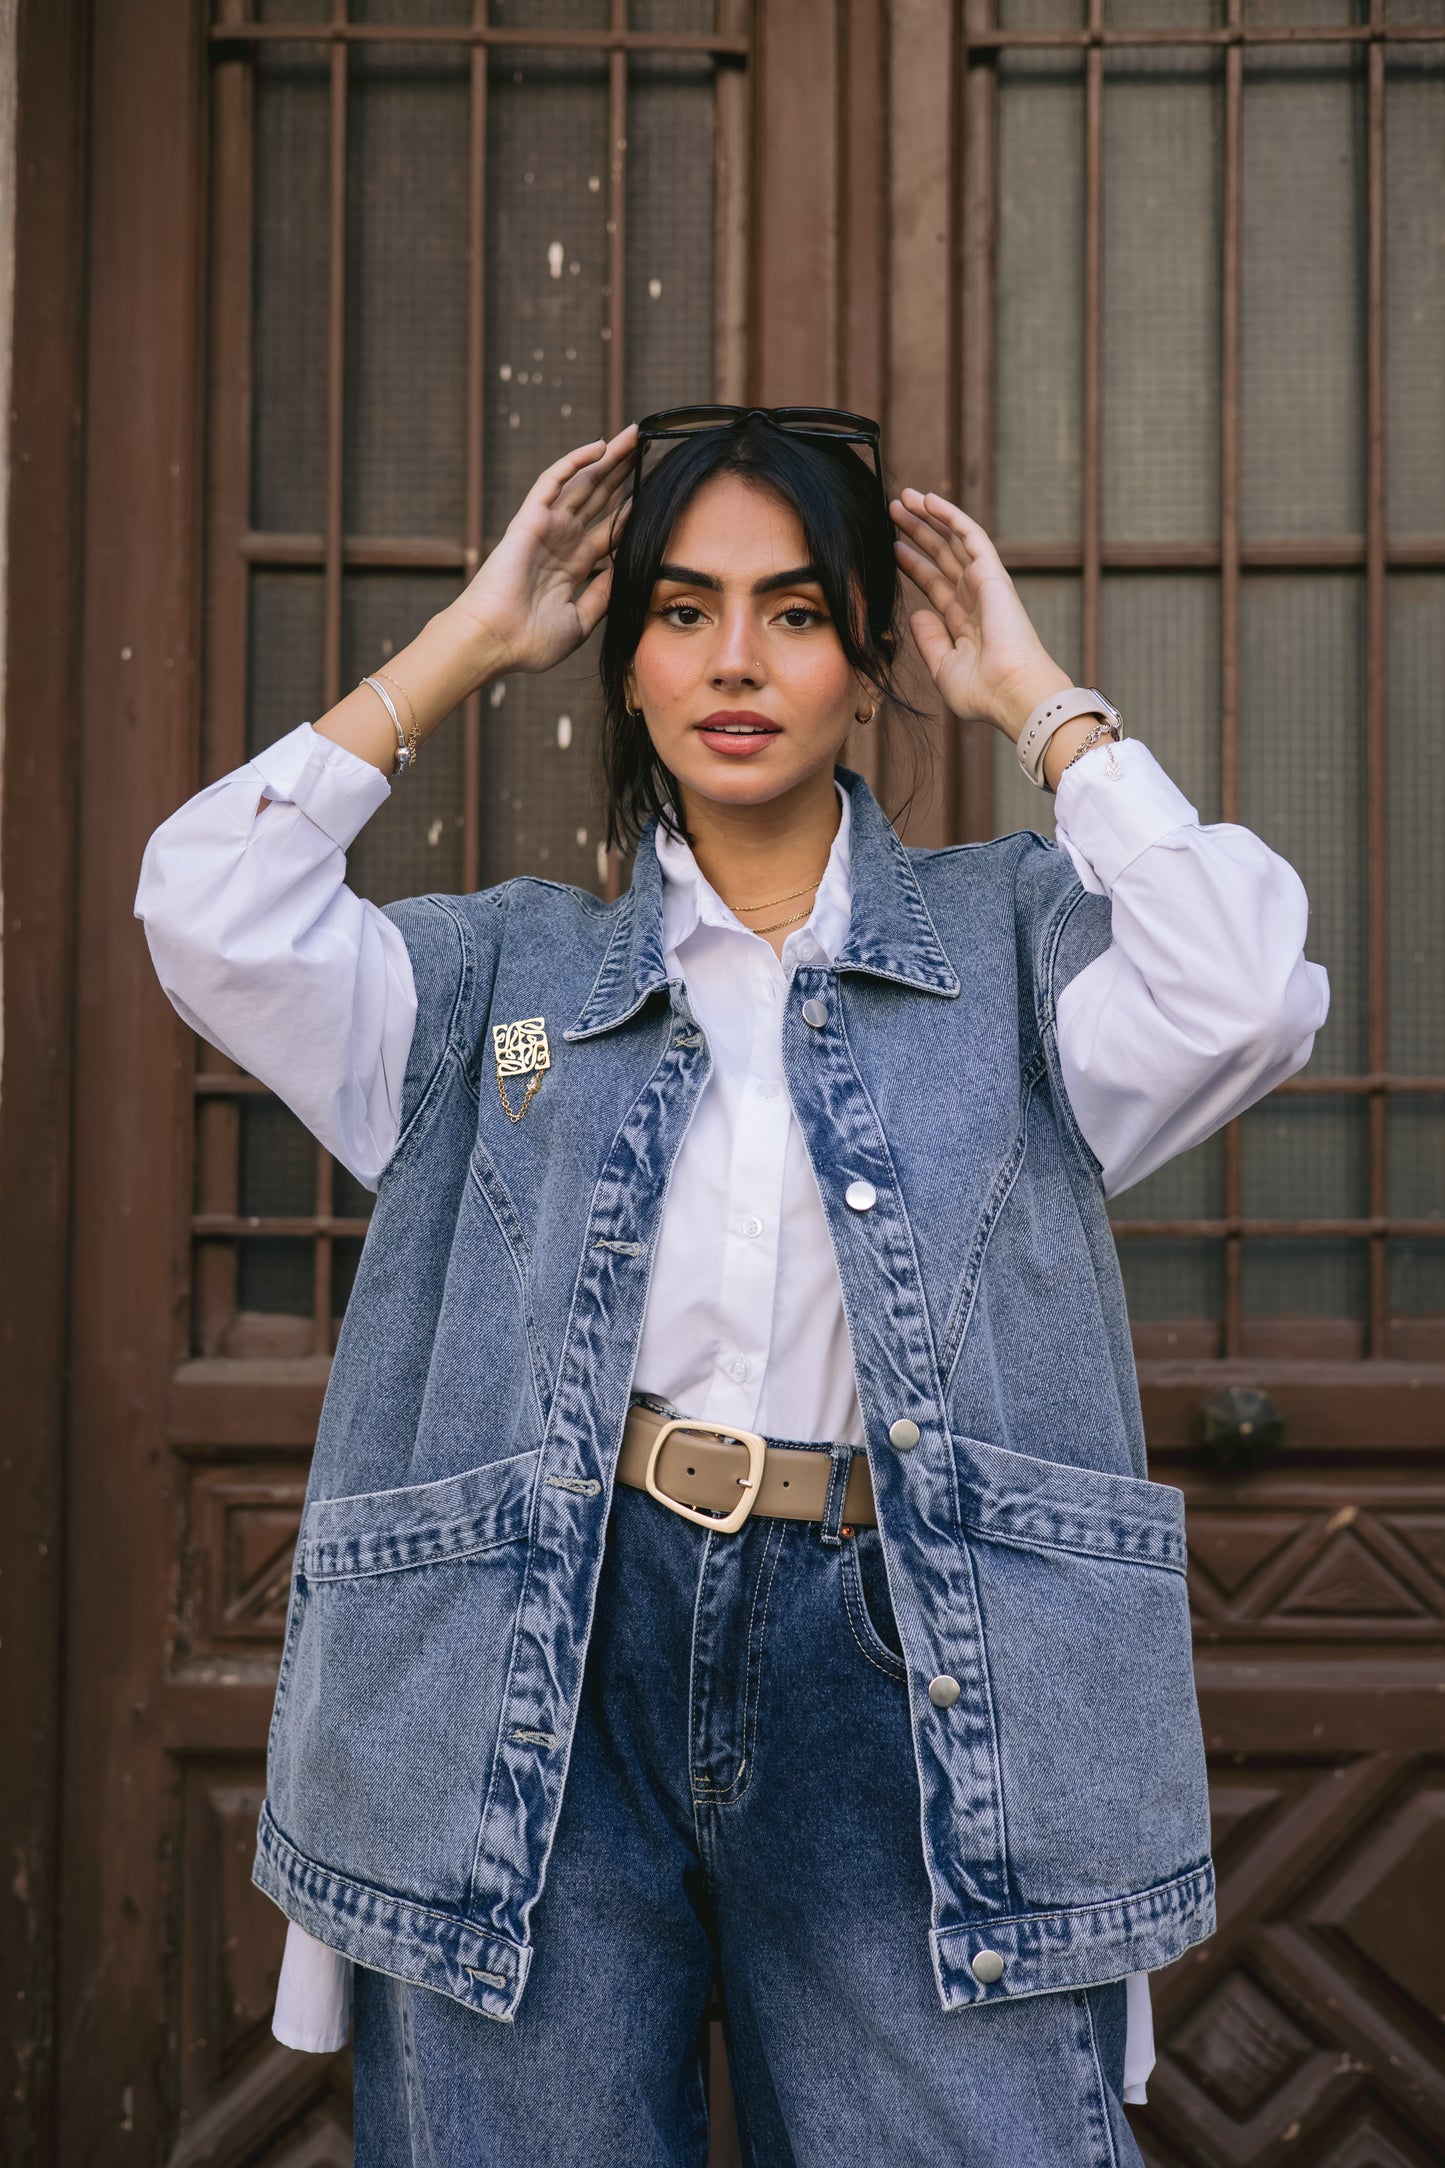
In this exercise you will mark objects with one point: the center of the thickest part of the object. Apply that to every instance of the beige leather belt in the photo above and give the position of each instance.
(716, 1476)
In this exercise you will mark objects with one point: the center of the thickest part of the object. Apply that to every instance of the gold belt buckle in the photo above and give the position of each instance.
(721, 1524)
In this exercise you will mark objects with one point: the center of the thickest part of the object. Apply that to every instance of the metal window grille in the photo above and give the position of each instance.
(1204, 305)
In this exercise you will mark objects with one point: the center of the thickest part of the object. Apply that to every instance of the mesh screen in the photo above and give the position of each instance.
(1163, 145)
(1415, 288)
(1040, 297)
(288, 294)
(1302, 292)
(407, 131)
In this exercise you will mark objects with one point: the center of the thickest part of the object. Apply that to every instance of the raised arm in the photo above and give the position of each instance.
(256, 938)
(1204, 1000)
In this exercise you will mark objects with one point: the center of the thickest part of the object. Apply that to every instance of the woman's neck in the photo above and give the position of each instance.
(755, 854)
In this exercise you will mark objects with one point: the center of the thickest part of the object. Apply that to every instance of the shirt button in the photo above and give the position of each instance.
(767, 1089)
(903, 1434)
(806, 952)
(860, 1196)
(943, 1692)
(987, 1967)
(752, 1225)
(815, 1012)
(740, 1368)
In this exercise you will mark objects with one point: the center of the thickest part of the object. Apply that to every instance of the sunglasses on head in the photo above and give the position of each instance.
(834, 425)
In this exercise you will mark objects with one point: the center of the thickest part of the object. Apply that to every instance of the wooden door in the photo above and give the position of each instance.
(1158, 286)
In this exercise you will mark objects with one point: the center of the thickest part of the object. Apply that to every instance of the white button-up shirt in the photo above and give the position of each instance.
(1201, 1005)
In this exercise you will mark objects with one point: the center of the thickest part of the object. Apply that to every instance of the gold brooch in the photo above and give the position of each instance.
(521, 1050)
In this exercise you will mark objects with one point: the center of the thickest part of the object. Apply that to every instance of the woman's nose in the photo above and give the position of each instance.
(735, 657)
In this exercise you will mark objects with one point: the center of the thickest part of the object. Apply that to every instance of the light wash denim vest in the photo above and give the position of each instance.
(449, 1553)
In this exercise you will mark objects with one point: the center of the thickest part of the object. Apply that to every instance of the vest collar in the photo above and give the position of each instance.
(890, 936)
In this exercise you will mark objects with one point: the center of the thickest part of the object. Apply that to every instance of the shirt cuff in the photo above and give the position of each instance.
(313, 1996)
(336, 789)
(1111, 806)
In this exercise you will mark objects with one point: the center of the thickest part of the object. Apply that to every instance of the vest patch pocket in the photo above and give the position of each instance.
(390, 1701)
(1085, 1613)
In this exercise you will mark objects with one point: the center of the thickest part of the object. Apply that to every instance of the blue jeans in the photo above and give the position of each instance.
(742, 1799)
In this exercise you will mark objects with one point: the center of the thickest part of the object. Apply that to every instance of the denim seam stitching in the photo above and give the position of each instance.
(308, 1866)
(727, 1795)
(1046, 1018)
(412, 1565)
(939, 1392)
(486, 1178)
(1074, 1550)
(449, 1044)
(955, 1333)
(1113, 2161)
(1182, 1884)
(900, 1675)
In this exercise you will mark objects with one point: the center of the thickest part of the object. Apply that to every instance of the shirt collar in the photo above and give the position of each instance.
(890, 934)
(689, 899)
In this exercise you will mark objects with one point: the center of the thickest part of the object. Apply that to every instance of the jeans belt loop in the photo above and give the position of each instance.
(832, 1528)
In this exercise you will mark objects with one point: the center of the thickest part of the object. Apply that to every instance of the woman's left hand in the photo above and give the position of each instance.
(977, 639)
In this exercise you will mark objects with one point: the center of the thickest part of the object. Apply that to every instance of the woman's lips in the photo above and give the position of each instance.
(737, 732)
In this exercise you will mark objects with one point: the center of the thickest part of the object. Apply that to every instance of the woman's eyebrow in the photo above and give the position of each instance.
(685, 576)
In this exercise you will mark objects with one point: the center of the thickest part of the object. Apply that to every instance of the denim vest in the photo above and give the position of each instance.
(449, 1552)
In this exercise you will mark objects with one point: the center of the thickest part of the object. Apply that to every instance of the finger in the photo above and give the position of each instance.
(604, 472)
(933, 580)
(553, 480)
(931, 532)
(925, 535)
(591, 604)
(951, 516)
(931, 636)
(606, 491)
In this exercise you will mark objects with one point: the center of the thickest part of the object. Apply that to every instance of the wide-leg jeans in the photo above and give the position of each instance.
(741, 1801)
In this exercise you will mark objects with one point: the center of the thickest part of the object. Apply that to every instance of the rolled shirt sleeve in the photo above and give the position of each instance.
(263, 949)
(1204, 1000)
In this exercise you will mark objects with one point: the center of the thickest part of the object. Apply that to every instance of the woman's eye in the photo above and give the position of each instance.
(798, 616)
(682, 613)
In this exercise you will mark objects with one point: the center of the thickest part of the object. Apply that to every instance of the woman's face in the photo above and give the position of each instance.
(739, 673)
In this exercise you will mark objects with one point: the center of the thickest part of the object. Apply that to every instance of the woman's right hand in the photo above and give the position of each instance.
(545, 586)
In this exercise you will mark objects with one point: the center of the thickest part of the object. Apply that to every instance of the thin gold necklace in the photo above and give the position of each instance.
(778, 923)
(773, 901)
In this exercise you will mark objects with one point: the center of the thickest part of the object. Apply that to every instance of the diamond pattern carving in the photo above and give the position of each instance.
(1312, 2027)
(1347, 1578)
(1240, 2046)
(243, 1535)
(1386, 1903)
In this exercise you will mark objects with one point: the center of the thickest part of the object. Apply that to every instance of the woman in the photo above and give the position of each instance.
(877, 1696)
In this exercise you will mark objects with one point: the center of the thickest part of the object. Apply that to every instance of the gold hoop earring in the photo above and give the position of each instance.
(634, 715)
(865, 719)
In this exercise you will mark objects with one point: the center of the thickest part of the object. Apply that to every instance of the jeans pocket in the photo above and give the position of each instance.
(1085, 1613)
(388, 1708)
(868, 1602)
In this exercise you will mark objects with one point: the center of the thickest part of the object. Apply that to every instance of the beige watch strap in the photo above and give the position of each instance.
(1051, 715)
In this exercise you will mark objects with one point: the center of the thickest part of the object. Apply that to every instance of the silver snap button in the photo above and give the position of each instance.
(987, 1967)
(815, 1012)
(943, 1691)
(903, 1434)
(860, 1196)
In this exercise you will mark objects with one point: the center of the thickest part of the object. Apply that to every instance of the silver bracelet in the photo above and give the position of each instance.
(1104, 728)
(404, 753)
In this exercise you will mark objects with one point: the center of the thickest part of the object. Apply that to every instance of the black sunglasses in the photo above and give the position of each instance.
(833, 425)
